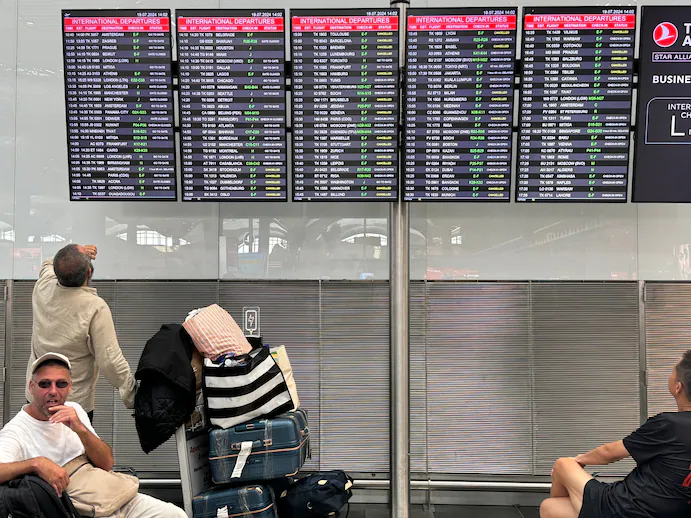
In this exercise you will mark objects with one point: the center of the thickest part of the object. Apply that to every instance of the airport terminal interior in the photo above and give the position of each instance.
(474, 213)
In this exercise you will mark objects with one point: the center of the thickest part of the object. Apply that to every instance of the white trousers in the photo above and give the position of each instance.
(145, 506)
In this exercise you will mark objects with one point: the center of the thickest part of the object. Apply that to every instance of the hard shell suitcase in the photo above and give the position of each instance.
(270, 448)
(234, 502)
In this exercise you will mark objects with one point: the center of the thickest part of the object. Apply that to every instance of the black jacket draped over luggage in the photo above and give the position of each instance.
(166, 395)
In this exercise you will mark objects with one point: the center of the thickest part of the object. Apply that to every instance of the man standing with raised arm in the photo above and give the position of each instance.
(71, 319)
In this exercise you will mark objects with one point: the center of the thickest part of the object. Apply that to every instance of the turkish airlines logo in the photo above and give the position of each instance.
(665, 34)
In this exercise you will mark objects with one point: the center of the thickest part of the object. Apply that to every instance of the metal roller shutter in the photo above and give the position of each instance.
(142, 307)
(22, 323)
(355, 376)
(418, 377)
(478, 378)
(105, 393)
(289, 312)
(667, 336)
(585, 368)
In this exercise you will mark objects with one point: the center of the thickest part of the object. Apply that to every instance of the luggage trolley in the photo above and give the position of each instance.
(192, 441)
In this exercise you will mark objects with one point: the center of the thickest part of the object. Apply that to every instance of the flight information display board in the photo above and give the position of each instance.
(345, 104)
(232, 104)
(459, 104)
(662, 170)
(575, 104)
(119, 97)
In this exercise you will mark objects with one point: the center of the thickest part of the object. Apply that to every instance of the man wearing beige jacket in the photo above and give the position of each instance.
(71, 319)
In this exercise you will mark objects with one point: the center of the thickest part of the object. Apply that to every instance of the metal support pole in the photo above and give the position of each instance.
(642, 353)
(400, 372)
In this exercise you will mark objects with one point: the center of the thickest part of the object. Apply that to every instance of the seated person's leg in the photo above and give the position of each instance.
(145, 506)
(557, 507)
(566, 496)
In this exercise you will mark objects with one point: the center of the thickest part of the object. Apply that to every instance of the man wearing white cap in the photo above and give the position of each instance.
(50, 431)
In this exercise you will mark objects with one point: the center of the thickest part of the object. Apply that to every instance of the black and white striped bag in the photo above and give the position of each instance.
(243, 388)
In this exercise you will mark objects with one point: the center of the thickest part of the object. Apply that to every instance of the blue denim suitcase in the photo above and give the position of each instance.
(250, 501)
(280, 446)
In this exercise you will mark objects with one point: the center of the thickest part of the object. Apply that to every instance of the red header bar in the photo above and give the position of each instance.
(462, 23)
(579, 21)
(230, 25)
(117, 24)
(344, 23)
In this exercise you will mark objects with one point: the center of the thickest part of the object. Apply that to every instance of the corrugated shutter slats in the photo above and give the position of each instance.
(142, 307)
(22, 323)
(504, 377)
(289, 313)
(478, 383)
(106, 395)
(667, 336)
(418, 377)
(355, 376)
(585, 368)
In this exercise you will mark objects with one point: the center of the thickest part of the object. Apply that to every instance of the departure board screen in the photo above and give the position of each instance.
(575, 105)
(459, 104)
(345, 104)
(119, 97)
(232, 104)
(662, 169)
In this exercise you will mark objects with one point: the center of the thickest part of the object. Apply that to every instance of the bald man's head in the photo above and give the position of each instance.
(72, 266)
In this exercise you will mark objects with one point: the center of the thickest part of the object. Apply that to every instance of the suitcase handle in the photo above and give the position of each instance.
(266, 443)
(250, 426)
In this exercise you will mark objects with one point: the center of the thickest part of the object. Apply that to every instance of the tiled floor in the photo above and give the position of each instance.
(445, 511)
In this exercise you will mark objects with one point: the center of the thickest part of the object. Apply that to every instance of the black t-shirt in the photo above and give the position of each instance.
(660, 485)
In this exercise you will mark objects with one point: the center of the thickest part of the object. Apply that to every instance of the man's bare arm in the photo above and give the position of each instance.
(98, 451)
(605, 454)
(12, 470)
(44, 468)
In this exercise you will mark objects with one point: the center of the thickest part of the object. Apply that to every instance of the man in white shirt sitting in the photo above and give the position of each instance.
(49, 432)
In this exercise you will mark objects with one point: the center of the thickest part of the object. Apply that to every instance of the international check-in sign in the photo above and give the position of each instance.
(662, 169)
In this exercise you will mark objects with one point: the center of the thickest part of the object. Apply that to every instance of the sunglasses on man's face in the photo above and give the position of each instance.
(45, 384)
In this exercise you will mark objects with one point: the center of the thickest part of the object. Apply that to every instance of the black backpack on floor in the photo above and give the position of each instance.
(321, 495)
(32, 497)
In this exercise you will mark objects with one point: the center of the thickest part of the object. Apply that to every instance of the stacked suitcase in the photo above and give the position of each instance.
(248, 461)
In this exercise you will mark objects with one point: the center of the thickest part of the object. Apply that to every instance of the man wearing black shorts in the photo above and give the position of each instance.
(659, 486)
